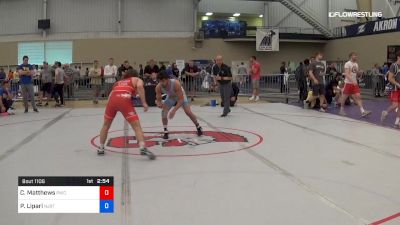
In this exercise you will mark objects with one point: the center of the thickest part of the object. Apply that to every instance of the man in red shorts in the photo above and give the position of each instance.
(351, 88)
(394, 79)
(120, 100)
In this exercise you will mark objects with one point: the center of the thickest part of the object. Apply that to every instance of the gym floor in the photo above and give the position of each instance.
(266, 163)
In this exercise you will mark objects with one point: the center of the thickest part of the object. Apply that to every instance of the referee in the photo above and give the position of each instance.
(224, 77)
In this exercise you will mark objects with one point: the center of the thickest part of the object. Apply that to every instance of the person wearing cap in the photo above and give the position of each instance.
(6, 98)
(47, 84)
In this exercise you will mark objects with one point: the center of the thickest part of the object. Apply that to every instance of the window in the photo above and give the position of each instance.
(35, 51)
(58, 51)
(46, 51)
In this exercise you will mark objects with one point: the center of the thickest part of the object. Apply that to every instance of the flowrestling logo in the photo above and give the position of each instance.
(355, 14)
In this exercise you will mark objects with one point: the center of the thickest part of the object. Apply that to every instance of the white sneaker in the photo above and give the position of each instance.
(383, 116)
(100, 151)
(365, 113)
(257, 98)
(322, 110)
(251, 99)
(342, 112)
(11, 112)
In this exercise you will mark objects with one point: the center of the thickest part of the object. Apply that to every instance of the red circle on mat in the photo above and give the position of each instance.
(224, 137)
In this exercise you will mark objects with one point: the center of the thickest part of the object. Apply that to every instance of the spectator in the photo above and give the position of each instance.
(316, 74)
(162, 66)
(301, 77)
(152, 81)
(242, 73)
(255, 73)
(141, 71)
(394, 87)
(95, 80)
(36, 75)
(110, 75)
(123, 68)
(47, 83)
(10, 75)
(242, 70)
(333, 91)
(59, 85)
(13, 82)
(385, 69)
(68, 80)
(151, 70)
(169, 72)
(87, 72)
(25, 70)
(331, 70)
(284, 71)
(224, 77)
(190, 74)
(3, 75)
(6, 98)
(376, 81)
(173, 71)
(76, 77)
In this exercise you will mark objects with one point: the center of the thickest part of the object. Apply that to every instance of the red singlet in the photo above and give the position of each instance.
(120, 100)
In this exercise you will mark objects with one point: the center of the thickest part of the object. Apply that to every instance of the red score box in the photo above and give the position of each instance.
(106, 193)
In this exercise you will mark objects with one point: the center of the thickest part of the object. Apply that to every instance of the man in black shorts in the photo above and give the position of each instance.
(47, 82)
(316, 74)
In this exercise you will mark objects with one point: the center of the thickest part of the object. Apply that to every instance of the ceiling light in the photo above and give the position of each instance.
(261, 16)
(236, 14)
(209, 14)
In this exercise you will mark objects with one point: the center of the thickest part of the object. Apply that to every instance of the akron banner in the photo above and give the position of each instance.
(267, 39)
(373, 27)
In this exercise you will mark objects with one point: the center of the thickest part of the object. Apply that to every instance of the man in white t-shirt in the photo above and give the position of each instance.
(110, 74)
(351, 88)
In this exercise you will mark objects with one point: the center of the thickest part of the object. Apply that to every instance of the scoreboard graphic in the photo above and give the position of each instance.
(65, 195)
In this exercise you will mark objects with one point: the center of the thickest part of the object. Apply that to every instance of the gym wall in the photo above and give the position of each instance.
(140, 50)
(371, 49)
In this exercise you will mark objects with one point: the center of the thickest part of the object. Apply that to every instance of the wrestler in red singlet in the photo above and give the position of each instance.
(120, 100)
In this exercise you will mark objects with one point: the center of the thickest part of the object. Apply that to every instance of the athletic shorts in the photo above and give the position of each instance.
(395, 96)
(124, 104)
(46, 87)
(351, 89)
(255, 83)
(318, 89)
(172, 102)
